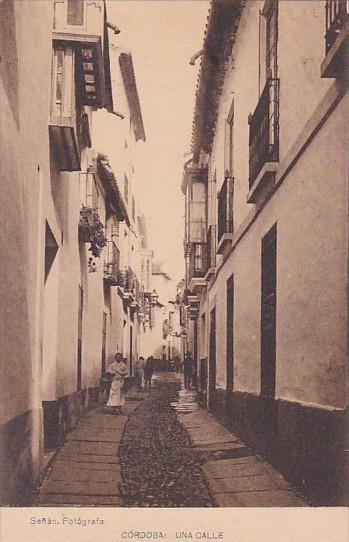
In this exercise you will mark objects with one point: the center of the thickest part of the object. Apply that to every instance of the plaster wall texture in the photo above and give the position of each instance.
(24, 170)
(310, 209)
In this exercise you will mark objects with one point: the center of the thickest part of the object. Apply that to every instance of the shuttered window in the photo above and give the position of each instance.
(75, 12)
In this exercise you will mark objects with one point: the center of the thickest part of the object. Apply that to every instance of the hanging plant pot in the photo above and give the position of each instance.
(91, 230)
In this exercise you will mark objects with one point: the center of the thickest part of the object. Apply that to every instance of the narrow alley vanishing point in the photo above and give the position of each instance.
(246, 284)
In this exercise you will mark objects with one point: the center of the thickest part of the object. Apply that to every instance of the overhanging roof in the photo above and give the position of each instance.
(218, 39)
(129, 78)
(111, 187)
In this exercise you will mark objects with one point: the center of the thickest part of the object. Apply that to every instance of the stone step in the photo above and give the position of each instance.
(95, 448)
(66, 455)
(80, 488)
(78, 474)
(254, 499)
(50, 499)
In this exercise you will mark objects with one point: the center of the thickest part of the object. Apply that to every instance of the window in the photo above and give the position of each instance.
(133, 209)
(225, 208)
(126, 187)
(268, 312)
(271, 39)
(229, 143)
(75, 12)
(92, 193)
(196, 213)
(62, 108)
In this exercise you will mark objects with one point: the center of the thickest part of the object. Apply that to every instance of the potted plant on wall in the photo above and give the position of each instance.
(91, 230)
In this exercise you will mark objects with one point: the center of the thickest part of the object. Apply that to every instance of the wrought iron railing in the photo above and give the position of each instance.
(112, 264)
(225, 208)
(197, 260)
(211, 246)
(336, 14)
(264, 129)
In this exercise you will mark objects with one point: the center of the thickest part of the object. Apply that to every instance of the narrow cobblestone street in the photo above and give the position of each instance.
(159, 467)
(163, 451)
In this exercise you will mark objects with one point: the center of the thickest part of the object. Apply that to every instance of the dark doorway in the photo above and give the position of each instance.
(79, 360)
(131, 349)
(104, 341)
(268, 313)
(195, 353)
(230, 334)
(212, 360)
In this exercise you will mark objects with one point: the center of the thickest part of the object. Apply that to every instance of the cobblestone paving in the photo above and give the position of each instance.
(158, 467)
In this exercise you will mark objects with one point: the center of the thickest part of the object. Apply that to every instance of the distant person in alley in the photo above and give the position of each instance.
(148, 372)
(118, 370)
(188, 366)
(139, 370)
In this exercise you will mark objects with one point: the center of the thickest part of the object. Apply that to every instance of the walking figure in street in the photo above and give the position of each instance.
(148, 372)
(188, 365)
(118, 370)
(139, 370)
(178, 364)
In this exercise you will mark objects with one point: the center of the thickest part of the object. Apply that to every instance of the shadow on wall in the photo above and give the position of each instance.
(9, 55)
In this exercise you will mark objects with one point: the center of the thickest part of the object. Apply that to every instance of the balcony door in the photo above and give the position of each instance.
(271, 17)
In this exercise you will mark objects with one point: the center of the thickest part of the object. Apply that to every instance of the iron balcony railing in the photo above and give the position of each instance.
(112, 264)
(130, 283)
(264, 129)
(337, 13)
(211, 246)
(197, 260)
(225, 208)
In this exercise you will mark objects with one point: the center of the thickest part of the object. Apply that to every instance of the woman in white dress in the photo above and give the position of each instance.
(116, 396)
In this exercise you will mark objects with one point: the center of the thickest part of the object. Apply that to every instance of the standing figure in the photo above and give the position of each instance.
(188, 365)
(118, 370)
(178, 365)
(148, 372)
(140, 363)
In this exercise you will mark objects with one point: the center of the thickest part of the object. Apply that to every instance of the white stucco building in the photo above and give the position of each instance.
(267, 232)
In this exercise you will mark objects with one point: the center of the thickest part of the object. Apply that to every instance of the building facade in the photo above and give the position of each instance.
(266, 240)
(71, 237)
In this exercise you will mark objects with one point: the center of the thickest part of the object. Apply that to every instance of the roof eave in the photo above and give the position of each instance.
(129, 78)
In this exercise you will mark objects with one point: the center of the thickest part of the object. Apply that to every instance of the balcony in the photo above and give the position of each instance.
(264, 141)
(197, 265)
(112, 265)
(194, 307)
(336, 38)
(130, 288)
(81, 25)
(89, 195)
(225, 215)
(63, 125)
(211, 251)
